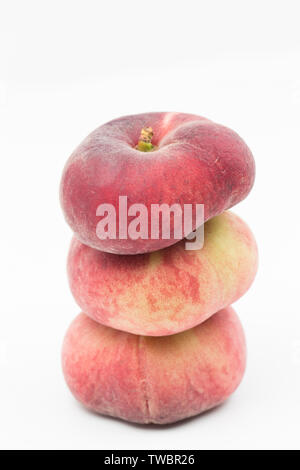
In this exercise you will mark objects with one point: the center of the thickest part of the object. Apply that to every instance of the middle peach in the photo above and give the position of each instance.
(170, 290)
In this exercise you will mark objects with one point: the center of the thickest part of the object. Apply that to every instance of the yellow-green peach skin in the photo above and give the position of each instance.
(154, 379)
(170, 290)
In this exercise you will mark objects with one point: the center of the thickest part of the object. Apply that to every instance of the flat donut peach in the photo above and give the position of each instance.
(168, 291)
(154, 380)
(193, 161)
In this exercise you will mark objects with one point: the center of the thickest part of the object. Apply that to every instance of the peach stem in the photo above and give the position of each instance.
(144, 143)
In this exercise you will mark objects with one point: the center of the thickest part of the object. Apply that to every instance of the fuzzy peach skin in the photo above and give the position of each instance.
(167, 291)
(154, 380)
(195, 161)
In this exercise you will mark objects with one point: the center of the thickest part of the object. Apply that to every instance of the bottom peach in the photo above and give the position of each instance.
(148, 379)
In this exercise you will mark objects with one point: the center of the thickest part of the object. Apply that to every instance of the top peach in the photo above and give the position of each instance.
(153, 158)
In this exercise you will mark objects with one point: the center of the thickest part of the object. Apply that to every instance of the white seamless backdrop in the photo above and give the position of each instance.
(67, 67)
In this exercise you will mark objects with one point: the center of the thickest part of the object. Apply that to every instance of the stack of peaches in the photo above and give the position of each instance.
(158, 340)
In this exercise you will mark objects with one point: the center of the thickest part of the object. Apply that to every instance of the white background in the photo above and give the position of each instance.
(67, 67)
